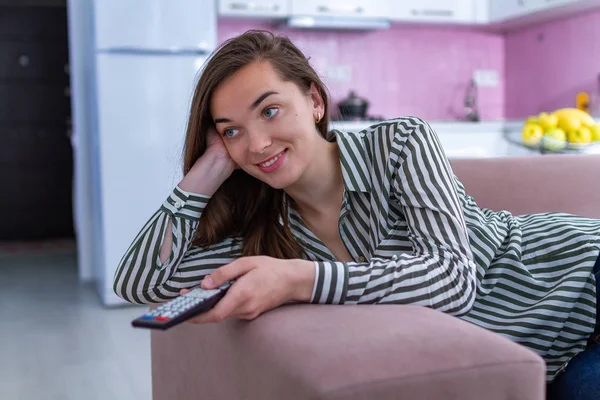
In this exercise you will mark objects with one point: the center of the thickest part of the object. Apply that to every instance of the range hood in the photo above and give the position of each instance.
(310, 22)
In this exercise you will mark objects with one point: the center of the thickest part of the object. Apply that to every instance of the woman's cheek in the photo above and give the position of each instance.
(236, 152)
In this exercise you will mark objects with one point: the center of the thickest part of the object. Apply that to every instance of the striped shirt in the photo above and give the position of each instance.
(416, 238)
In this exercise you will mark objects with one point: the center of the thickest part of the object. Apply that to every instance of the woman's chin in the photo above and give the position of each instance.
(276, 183)
(279, 181)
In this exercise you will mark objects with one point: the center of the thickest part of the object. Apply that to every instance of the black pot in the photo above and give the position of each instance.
(353, 107)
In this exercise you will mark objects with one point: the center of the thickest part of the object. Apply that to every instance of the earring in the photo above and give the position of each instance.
(318, 117)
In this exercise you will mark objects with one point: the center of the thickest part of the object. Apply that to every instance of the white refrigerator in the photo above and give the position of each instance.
(144, 64)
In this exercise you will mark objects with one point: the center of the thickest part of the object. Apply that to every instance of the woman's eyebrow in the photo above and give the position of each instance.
(261, 98)
(252, 106)
(221, 120)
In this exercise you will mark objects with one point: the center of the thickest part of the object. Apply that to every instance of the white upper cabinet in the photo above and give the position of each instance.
(501, 10)
(404, 11)
(434, 11)
(549, 4)
(254, 8)
(341, 8)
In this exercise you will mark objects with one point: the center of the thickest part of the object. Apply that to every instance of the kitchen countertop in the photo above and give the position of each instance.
(442, 127)
(470, 139)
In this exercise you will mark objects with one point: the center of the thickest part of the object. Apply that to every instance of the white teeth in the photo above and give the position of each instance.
(271, 161)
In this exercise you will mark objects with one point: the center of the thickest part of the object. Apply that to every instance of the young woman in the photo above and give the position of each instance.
(294, 213)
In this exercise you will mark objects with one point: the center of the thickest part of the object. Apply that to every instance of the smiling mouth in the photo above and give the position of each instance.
(271, 160)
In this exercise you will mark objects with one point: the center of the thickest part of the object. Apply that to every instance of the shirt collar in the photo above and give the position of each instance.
(355, 174)
(354, 159)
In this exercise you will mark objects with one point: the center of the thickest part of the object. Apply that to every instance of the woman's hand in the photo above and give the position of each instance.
(211, 169)
(216, 147)
(261, 284)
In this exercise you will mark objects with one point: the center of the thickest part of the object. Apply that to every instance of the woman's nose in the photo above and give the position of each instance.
(258, 142)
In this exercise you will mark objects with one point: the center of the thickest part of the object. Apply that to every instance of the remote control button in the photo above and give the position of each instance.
(147, 316)
(161, 318)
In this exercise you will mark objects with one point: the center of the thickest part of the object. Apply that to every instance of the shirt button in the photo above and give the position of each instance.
(178, 204)
(362, 258)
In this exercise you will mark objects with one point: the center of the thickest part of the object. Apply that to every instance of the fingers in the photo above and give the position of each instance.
(229, 272)
(236, 303)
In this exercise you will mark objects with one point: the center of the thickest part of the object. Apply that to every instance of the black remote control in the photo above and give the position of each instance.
(181, 308)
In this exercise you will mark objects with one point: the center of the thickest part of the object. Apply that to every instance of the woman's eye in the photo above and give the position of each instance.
(270, 112)
(230, 132)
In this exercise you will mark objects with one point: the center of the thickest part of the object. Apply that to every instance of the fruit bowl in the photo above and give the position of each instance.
(550, 145)
(566, 130)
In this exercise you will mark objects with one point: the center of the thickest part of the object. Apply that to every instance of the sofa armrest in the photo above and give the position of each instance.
(306, 351)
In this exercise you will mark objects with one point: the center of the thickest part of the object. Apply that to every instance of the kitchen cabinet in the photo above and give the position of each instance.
(254, 8)
(460, 139)
(501, 10)
(341, 8)
(434, 11)
(476, 12)
(541, 5)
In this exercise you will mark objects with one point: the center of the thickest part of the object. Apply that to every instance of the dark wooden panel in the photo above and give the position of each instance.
(36, 223)
(36, 167)
(36, 3)
(28, 60)
(28, 187)
(41, 147)
(41, 23)
(24, 101)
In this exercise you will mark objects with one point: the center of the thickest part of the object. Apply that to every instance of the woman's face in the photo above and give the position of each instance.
(267, 125)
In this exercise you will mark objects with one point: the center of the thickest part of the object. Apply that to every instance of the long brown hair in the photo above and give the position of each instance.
(244, 206)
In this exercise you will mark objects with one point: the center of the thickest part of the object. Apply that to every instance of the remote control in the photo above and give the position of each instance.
(181, 308)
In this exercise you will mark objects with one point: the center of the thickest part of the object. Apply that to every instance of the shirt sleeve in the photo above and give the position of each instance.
(142, 278)
(440, 273)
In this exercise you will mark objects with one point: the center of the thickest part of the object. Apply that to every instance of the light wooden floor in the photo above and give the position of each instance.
(56, 340)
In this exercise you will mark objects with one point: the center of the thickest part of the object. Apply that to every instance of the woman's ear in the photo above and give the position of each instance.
(317, 100)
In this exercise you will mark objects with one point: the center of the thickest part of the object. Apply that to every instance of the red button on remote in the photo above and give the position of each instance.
(162, 318)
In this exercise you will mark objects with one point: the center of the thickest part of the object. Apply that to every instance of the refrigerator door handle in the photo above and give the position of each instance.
(155, 52)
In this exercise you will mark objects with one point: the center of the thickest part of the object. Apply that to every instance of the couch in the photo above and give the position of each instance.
(379, 351)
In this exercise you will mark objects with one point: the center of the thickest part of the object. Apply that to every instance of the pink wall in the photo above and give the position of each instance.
(404, 70)
(549, 63)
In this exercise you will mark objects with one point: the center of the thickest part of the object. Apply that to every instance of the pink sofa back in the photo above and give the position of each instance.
(562, 183)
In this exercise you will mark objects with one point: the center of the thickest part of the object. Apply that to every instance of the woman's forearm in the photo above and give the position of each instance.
(302, 275)
(207, 174)
(205, 177)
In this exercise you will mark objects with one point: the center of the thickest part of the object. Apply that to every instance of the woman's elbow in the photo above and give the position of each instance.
(464, 306)
(121, 290)
(137, 295)
(466, 289)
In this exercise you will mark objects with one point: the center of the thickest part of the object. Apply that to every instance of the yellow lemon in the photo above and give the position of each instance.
(554, 139)
(532, 134)
(595, 133)
(547, 121)
(582, 135)
(569, 122)
(574, 113)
